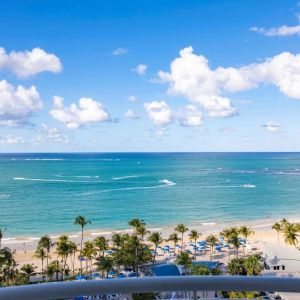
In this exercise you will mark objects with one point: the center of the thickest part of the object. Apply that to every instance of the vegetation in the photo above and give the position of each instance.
(82, 222)
(130, 251)
(290, 232)
(181, 228)
(251, 266)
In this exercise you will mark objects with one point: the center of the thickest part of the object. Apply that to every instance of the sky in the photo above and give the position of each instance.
(149, 75)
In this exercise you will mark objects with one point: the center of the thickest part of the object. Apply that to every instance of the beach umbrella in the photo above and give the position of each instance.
(80, 277)
(121, 275)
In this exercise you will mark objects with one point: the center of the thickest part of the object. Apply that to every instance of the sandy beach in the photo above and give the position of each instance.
(263, 233)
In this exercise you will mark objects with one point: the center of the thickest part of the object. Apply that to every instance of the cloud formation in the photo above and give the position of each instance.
(278, 31)
(17, 104)
(190, 116)
(50, 135)
(76, 115)
(191, 76)
(132, 99)
(140, 69)
(272, 126)
(130, 114)
(119, 51)
(12, 140)
(28, 63)
(159, 112)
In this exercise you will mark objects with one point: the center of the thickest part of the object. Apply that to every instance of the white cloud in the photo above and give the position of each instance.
(28, 63)
(272, 126)
(74, 116)
(119, 51)
(190, 116)
(12, 140)
(192, 77)
(278, 31)
(17, 104)
(140, 69)
(132, 99)
(159, 112)
(130, 114)
(48, 135)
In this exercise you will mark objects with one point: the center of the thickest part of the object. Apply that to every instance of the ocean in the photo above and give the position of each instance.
(43, 193)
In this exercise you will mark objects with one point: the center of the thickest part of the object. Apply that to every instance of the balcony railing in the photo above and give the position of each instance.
(69, 289)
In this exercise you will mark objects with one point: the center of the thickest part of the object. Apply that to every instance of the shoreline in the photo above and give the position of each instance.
(203, 227)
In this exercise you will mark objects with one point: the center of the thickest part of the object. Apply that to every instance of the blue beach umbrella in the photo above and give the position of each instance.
(80, 277)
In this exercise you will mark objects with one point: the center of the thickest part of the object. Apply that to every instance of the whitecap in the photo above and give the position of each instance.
(249, 186)
(167, 182)
(125, 177)
(208, 223)
(4, 196)
(55, 180)
(44, 159)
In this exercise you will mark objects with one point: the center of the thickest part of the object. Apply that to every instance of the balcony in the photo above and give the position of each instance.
(190, 285)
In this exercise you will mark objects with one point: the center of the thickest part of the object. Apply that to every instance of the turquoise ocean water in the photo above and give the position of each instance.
(43, 193)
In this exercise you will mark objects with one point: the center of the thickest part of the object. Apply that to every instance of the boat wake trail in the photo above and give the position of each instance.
(165, 183)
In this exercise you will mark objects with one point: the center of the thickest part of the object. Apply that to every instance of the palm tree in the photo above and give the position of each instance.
(290, 234)
(227, 233)
(63, 251)
(237, 266)
(8, 264)
(46, 243)
(253, 265)
(82, 222)
(181, 228)
(235, 242)
(277, 226)
(118, 239)
(174, 238)
(53, 268)
(136, 223)
(1, 236)
(284, 222)
(28, 270)
(211, 241)
(104, 264)
(245, 233)
(101, 244)
(89, 252)
(142, 231)
(155, 238)
(41, 253)
(194, 236)
(73, 250)
(184, 260)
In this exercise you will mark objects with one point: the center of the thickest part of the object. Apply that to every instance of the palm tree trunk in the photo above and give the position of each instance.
(81, 251)
(43, 269)
(47, 261)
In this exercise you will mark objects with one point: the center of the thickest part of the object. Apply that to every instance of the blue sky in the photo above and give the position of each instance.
(235, 87)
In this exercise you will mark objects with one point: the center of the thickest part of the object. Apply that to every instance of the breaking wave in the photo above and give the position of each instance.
(125, 177)
(55, 180)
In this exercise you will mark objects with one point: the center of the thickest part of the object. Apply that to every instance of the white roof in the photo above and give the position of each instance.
(273, 253)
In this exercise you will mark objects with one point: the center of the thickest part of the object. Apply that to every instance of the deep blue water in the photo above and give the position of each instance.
(43, 193)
